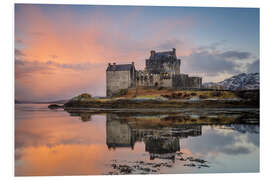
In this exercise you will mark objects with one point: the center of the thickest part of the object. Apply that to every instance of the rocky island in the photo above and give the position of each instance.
(165, 98)
(161, 89)
(146, 101)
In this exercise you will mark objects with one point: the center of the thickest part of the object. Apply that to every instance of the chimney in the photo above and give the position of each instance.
(114, 66)
(174, 51)
(153, 53)
(133, 71)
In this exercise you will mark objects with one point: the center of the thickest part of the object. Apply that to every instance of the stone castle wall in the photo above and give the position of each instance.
(117, 80)
(171, 66)
(184, 81)
(144, 79)
(179, 81)
(163, 62)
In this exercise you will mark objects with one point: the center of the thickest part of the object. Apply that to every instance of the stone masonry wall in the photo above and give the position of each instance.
(117, 80)
(184, 81)
(145, 79)
(167, 65)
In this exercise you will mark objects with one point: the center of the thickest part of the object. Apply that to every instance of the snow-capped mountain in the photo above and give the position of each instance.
(239, 82)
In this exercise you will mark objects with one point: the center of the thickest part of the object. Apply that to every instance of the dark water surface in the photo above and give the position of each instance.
(55, 142)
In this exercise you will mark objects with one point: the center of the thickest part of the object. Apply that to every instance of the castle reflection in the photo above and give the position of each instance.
(84, 116)
(161, 140)
(161, 133)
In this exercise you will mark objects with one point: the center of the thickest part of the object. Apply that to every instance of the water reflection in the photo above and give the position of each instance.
(84, 116)
(160, 141)
(51, 142)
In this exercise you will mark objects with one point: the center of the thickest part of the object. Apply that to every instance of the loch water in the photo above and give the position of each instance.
(55, 142)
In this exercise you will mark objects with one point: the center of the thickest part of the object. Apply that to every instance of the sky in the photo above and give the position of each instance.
(63, 50)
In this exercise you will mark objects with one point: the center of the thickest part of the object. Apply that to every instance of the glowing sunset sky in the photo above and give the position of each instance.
(63, 50)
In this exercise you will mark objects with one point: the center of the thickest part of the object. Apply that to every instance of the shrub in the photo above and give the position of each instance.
(186, 96)
(216, 93)
(85, 95)
(202, 97)
(174, 95)
(122, 92)
(82, 97)
(166, 96)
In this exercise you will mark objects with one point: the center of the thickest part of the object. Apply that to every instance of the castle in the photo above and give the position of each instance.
(162, 70)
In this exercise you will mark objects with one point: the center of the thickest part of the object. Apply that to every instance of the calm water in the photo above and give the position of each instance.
(55, 142)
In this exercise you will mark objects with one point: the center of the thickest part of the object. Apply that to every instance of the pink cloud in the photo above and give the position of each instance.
(67, 43)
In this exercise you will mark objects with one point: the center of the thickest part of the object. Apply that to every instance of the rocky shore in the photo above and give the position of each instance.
(144, 167)
(166, 100)
(156, 103)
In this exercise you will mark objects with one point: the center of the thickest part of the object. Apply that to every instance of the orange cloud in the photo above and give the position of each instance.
(66, 41)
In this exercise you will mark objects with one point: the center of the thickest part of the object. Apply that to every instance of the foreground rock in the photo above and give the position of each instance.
(54, 106)
(146, 167)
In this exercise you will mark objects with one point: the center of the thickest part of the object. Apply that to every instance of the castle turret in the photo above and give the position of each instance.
(174, 52)
(153, 53)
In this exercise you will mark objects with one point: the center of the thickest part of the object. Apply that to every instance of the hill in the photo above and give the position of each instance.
(239, 82)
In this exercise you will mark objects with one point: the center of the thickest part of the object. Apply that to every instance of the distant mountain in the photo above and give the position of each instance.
(239, 82)
(41, 102)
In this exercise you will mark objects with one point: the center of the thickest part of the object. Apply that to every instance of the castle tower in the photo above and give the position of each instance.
(118, 77)
(161, 62)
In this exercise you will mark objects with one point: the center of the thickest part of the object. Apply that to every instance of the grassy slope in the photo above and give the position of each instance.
(185, 94)
(151, 96)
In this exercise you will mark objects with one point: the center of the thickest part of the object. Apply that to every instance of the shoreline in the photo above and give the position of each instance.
(157, 110)
(188, 116)
(179, 107)
(160, 104)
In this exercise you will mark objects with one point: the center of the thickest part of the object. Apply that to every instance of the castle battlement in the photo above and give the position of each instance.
(162, 69)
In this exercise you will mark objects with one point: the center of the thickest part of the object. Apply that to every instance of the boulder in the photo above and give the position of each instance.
(54, 106)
